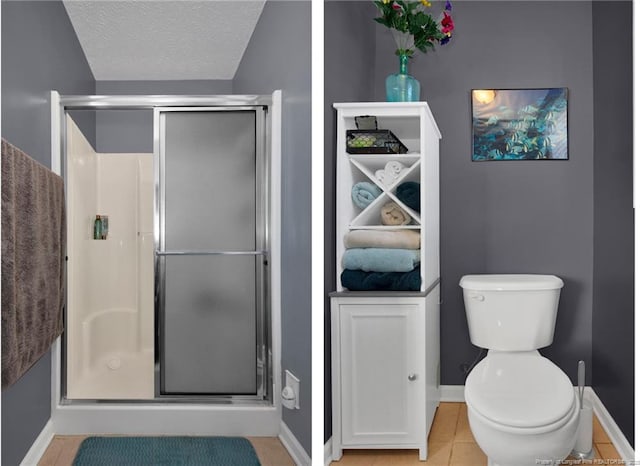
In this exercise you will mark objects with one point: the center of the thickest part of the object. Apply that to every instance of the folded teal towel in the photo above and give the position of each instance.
(357, 280)
(409, 193)
(363, 193)
(381, 259)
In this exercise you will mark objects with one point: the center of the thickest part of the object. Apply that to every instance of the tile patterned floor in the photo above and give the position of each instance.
(451, 443)
(63, 448)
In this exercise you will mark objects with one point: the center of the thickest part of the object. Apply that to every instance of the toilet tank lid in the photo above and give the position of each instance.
(511, 282)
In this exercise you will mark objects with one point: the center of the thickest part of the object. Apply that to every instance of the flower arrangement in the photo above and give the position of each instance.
(413, 27)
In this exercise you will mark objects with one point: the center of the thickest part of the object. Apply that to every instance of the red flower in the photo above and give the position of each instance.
(447, 24)
(396, 6)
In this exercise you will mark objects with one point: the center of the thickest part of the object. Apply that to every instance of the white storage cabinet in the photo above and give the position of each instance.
(385, 345)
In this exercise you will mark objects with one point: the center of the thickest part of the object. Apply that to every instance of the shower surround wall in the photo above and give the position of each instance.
(110, 282)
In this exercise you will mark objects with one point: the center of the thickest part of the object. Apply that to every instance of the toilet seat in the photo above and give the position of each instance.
(520, 392)
(528, 431)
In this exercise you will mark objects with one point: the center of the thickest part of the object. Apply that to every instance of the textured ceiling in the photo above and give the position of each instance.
(163, 40)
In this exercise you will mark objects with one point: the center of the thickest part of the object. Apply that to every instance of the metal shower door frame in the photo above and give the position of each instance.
(60, 106)
(262, 250)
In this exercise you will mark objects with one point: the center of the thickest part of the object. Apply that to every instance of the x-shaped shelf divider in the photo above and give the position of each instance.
(368, 164)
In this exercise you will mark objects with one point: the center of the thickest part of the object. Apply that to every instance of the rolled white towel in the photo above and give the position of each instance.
(390, 173)
(394, 169)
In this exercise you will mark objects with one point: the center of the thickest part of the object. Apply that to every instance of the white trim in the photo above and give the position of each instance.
(452, 393)
(620, 442)
(56, 374)
(276, 248)
(39, 446)
(295, 449)
(328, 457)
(56, 166)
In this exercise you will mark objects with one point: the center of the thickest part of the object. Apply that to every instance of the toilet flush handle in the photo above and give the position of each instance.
(477, 297)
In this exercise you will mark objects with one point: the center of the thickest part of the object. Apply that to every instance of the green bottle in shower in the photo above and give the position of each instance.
(97, 228)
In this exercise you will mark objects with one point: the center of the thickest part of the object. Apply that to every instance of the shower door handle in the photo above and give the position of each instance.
(211, 253)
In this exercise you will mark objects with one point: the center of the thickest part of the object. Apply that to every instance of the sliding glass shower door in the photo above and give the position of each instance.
(212, 251)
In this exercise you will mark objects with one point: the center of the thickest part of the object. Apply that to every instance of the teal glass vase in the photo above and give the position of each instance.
(402, 87)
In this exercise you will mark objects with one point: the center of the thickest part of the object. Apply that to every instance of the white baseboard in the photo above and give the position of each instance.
(39, 446)
(290, 442)
(452, 393)
(625, 450)
(327, 453)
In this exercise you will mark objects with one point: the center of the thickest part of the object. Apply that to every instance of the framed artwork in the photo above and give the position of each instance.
(519, 124)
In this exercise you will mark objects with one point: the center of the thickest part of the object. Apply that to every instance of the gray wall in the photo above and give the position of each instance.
(40, 53)
(279, 57)
(120, 131)
(511, 217)
(349, 38)
(535, 216)
(613, 353)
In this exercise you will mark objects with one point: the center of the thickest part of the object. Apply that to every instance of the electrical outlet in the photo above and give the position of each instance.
(292, 381)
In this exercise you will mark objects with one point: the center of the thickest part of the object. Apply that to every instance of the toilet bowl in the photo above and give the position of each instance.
(522, 408)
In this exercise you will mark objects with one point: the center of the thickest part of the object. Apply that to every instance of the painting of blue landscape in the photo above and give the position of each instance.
(522, 124)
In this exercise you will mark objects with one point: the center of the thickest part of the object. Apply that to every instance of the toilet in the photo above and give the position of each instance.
(522, 408)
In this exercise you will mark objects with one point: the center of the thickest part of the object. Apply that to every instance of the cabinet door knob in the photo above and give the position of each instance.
(412, 377)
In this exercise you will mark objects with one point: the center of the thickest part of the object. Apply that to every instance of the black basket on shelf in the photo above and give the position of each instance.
(374, 141)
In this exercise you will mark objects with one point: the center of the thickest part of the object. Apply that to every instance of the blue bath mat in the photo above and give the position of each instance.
(166, 451)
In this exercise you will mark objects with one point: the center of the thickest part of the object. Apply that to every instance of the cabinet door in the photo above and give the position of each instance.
(380, 374)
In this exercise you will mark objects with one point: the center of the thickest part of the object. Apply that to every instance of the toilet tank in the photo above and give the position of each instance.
(511, 312)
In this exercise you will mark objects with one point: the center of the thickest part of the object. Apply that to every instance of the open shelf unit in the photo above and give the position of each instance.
(413, 124)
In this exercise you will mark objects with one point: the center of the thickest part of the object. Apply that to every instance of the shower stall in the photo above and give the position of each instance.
(174, 306)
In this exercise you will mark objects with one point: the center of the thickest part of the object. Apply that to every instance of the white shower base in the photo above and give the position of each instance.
(115, 366)
(117, 376)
